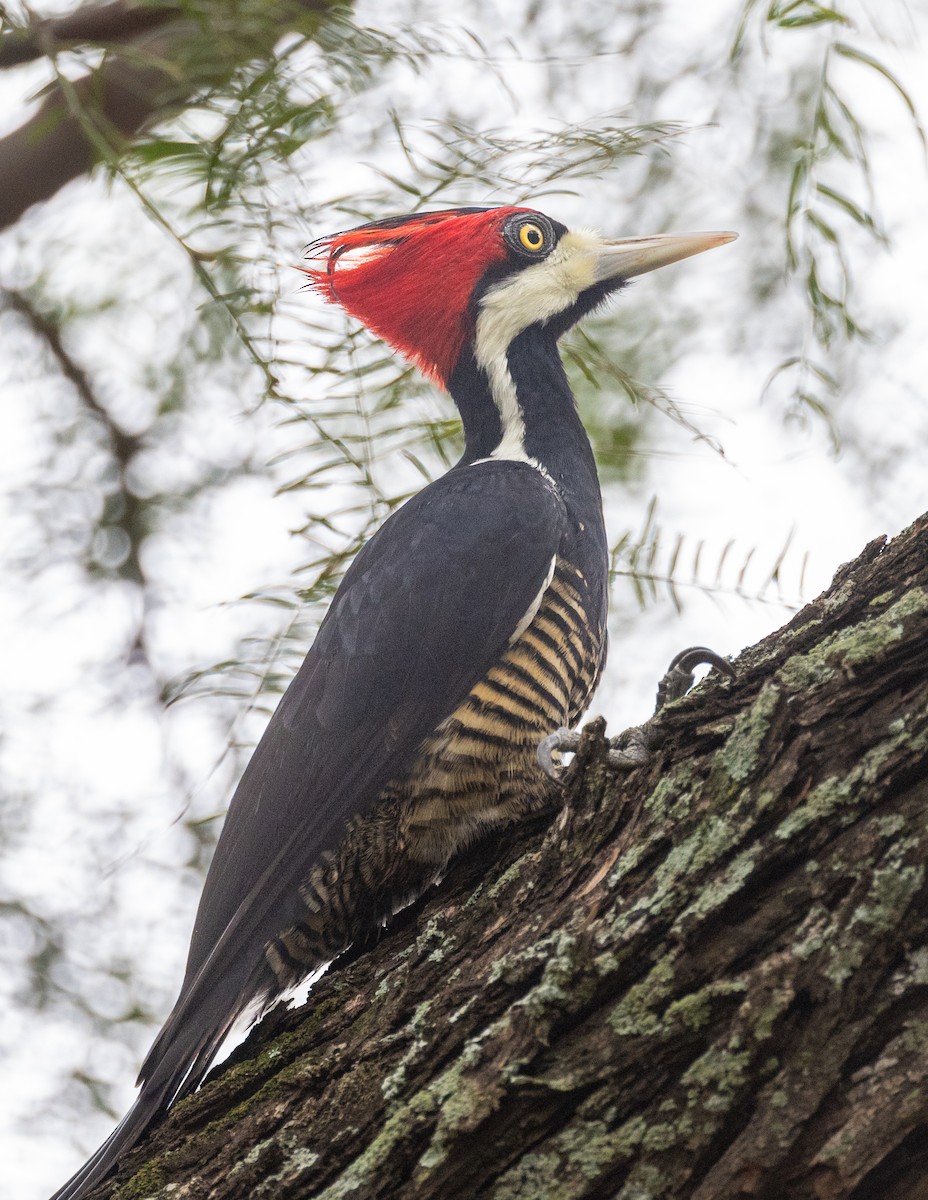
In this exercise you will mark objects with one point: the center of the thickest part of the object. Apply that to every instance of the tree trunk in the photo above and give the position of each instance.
(705, 979)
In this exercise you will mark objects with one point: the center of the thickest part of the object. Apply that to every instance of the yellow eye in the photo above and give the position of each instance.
(531, 237)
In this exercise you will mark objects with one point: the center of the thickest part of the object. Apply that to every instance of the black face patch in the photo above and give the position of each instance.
(531, 236)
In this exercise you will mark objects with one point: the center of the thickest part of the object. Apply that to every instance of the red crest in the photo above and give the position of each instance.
(411, 279)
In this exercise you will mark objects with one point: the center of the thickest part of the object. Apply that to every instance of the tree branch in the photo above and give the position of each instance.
(62, 140)
(124, 445)
(707, 979)
(166, 59)
(92, 25)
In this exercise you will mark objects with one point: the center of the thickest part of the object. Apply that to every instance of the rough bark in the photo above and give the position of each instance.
(159, 57)
(706, 979)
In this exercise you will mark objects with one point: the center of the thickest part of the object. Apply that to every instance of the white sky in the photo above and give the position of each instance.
(775, 480)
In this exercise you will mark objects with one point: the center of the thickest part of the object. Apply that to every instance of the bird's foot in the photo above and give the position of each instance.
(634, 746)
(562, 741)
(631, 748)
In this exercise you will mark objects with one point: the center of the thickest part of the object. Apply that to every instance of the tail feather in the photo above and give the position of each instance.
(179, 1072)
(126, 1134)
(206, 1010)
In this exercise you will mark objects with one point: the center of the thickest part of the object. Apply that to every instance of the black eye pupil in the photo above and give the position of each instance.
(534, 237)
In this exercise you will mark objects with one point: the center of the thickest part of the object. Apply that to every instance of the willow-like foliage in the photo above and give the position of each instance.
(178, 375)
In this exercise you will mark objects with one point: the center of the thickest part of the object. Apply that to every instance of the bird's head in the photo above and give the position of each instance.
(431, 284)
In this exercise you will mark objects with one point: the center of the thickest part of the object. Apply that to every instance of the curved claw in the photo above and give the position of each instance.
(562, 739)
(696, 656)
(679, 676)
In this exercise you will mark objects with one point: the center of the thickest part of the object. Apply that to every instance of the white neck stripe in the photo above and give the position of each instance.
(491, 347)
(536, 293)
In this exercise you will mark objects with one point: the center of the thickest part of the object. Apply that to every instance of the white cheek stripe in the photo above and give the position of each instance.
(536, 293)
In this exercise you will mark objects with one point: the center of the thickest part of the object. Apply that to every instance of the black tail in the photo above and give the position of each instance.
(178, 1074)
(126, 1134)
(156, 1097)
(182, 1064)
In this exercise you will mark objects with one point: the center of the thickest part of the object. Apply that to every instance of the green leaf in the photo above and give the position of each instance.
(867, 60)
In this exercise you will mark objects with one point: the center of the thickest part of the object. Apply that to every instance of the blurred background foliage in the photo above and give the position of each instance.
(195, 448)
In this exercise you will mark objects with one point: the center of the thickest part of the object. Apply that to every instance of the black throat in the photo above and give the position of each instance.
(554, 438)
(554, 433)
(470, 390)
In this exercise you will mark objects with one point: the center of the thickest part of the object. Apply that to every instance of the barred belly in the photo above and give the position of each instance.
(477, 771)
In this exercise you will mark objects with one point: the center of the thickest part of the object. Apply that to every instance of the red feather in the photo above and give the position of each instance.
(410, 279)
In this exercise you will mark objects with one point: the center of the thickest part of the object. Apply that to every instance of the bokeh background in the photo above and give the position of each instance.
(192, 447)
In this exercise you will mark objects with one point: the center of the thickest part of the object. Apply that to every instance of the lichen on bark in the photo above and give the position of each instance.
(706, 979)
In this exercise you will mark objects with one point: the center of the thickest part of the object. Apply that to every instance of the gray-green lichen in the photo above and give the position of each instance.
(848, 647)
(147, 1184)
(741, 754)
(536, 1175)
(298, 1160)
(580, 1154)
(713, 1081)
(714, 896)
(694, 1010)
(917, 973)
(557, 983)
(892, 889)
(636, 1014)
(392, 1085)
(647, 1182)
(358, 1178)
(512, 965)
(512, 874)
(459, 1101)
(850, 790)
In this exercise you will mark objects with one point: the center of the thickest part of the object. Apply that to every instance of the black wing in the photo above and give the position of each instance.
(425, 609)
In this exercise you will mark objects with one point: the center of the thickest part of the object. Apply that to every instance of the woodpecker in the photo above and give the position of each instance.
(461, 647)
